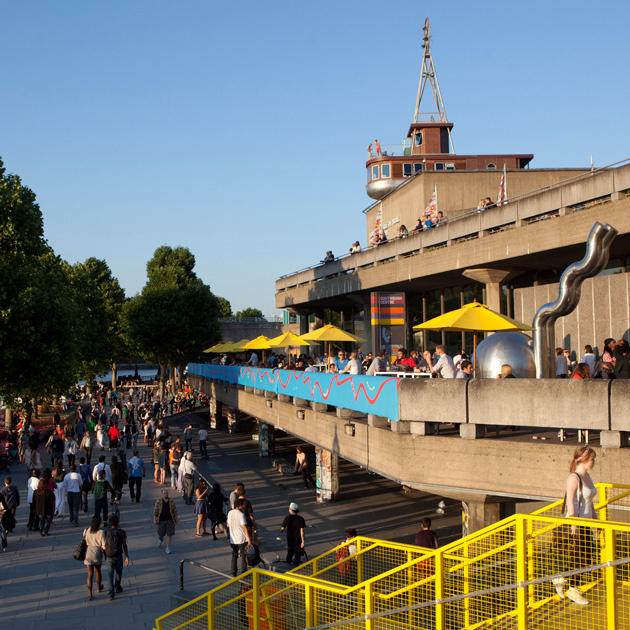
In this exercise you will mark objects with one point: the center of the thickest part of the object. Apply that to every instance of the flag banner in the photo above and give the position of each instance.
(432, 208)
(502, 196)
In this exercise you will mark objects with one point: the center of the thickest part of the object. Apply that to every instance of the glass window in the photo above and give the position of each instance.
(439, 166)
(407, 146)
(449, 166)
(491, 165)
(407, 170)
(417, 167)
(385, 171)
(375, 171)
(418, 138)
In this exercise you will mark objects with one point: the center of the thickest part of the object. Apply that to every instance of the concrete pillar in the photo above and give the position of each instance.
(477, 514)
(8, 418)
(258, 392)
(423, 428)
(320, 407)
(613, 439)
(377, 421)
(284, 398)
(300, 402)
(617, 196)
(401, 426)
(492, 279)
(303, 323)
(471, 431)
(326, 475)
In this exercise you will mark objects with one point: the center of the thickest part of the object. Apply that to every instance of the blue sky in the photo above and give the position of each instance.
(239, 130)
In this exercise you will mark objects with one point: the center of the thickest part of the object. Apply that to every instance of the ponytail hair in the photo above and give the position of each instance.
(580, 455)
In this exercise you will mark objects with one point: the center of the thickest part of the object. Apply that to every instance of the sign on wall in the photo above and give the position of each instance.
(388, 318)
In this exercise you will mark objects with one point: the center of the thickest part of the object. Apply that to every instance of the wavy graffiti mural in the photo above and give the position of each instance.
(377, 395)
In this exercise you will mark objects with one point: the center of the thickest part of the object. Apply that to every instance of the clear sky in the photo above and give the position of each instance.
(239, 130)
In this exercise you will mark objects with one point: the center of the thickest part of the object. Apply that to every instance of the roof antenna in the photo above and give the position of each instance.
(429, 73)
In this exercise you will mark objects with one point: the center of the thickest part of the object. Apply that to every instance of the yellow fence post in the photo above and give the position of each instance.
(309, 611)
(603, 512)
(610, 579)
(410, 581)
(369, 606)
(256, 599)
(439, 591)
(359, 563)
(531, 560)
(522, 592)
(210, 610)
(466, 586)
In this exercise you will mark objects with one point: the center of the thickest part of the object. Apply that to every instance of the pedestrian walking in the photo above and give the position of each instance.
(95, 540)
(102, 466)
(136, 472)
(175, 456)
(10, 500)
(60, 490)
(203, 437)
(86, 482)
(188, 438)
(115, 549)
(72, 483)
(165, 518)
(301, 466)
(216, 501)
(87, 442)
(118, 478)
(188, 472)
(201, 507)
(575, 546)
(294, 524)
(239, 537)
(31, 488)
(44, 499)
(100, 489)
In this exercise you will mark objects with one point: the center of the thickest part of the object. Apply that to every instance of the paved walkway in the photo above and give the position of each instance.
(41, 585)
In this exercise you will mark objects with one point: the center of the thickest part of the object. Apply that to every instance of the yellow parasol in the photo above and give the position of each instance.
(330, 333)
(238, 346)
(473, 317)
(260, 343)
(214, 348)
(288, 340)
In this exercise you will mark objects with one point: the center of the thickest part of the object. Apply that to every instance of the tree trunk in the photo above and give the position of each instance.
(114, 375)
(8, 418)
(162, 380)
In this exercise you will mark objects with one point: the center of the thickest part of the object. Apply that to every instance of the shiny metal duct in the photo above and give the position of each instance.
(595, 260)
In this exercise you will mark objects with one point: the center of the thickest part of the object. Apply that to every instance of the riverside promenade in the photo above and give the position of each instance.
(41, 585)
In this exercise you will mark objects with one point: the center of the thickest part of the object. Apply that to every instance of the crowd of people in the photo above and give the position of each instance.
(613, 362)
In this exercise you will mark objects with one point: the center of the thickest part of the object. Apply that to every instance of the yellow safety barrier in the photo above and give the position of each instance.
(499, 577)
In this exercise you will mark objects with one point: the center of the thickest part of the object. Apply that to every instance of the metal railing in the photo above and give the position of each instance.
(466, 213)
(519, 572)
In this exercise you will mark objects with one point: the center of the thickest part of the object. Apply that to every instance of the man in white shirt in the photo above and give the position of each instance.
(239, 536)
(72, 481)
(444, 365)
(188, 469)
(253, 360)
(102, 466)
(353, 366)
(31, 487)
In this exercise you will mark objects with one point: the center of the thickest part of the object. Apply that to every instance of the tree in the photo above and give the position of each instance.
(38, 311)
(175, 315)
(101, 298)
(225, 308)
(249, 312)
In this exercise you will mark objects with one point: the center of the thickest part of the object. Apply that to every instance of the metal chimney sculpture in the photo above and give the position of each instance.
(595, 260)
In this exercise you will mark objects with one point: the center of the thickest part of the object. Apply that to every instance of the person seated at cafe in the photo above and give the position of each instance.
(420, 361)
(403, 362)
(403, 231)
(341, 361)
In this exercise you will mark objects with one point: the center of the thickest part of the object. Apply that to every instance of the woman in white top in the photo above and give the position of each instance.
(95, 540)
(589, 358)
(580, 499)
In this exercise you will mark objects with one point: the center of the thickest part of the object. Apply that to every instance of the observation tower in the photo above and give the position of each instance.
(428, 144)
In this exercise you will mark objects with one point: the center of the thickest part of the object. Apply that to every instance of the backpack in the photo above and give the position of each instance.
(113, 543)
(99, 489)
(340, 554)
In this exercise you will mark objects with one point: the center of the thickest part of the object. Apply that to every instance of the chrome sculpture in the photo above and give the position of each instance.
(513, 348)
(595, 260)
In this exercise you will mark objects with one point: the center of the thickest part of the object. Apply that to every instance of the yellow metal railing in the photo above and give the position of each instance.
(498, 577)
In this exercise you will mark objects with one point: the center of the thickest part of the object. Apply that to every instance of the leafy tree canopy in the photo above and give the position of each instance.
(249, 312)
(225, 308)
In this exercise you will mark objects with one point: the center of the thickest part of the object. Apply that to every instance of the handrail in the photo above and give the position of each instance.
(201, 566)
(471, 211)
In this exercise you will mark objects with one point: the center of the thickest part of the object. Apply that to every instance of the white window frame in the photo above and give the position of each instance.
(410, 165)
(389, 168)
(377, 170)
(418, 170)
(417, 135)
(449, 166)
(436, 164)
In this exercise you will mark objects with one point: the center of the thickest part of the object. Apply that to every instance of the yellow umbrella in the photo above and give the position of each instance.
(331, 333)
(238, 346)
(473, 317)
(260, 343)
(213, 348)
(287, 340)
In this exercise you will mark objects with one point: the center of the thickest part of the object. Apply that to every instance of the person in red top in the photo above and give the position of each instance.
(114, 438)
(582, 371)
(403, 362)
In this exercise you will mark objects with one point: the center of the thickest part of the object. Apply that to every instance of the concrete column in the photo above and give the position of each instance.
(8, 418)
(471, 431)
(303, 323)
(492, 279)
(377, 421)
(320, 407)
(326, 475)
(613, 439)
(477, 514)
